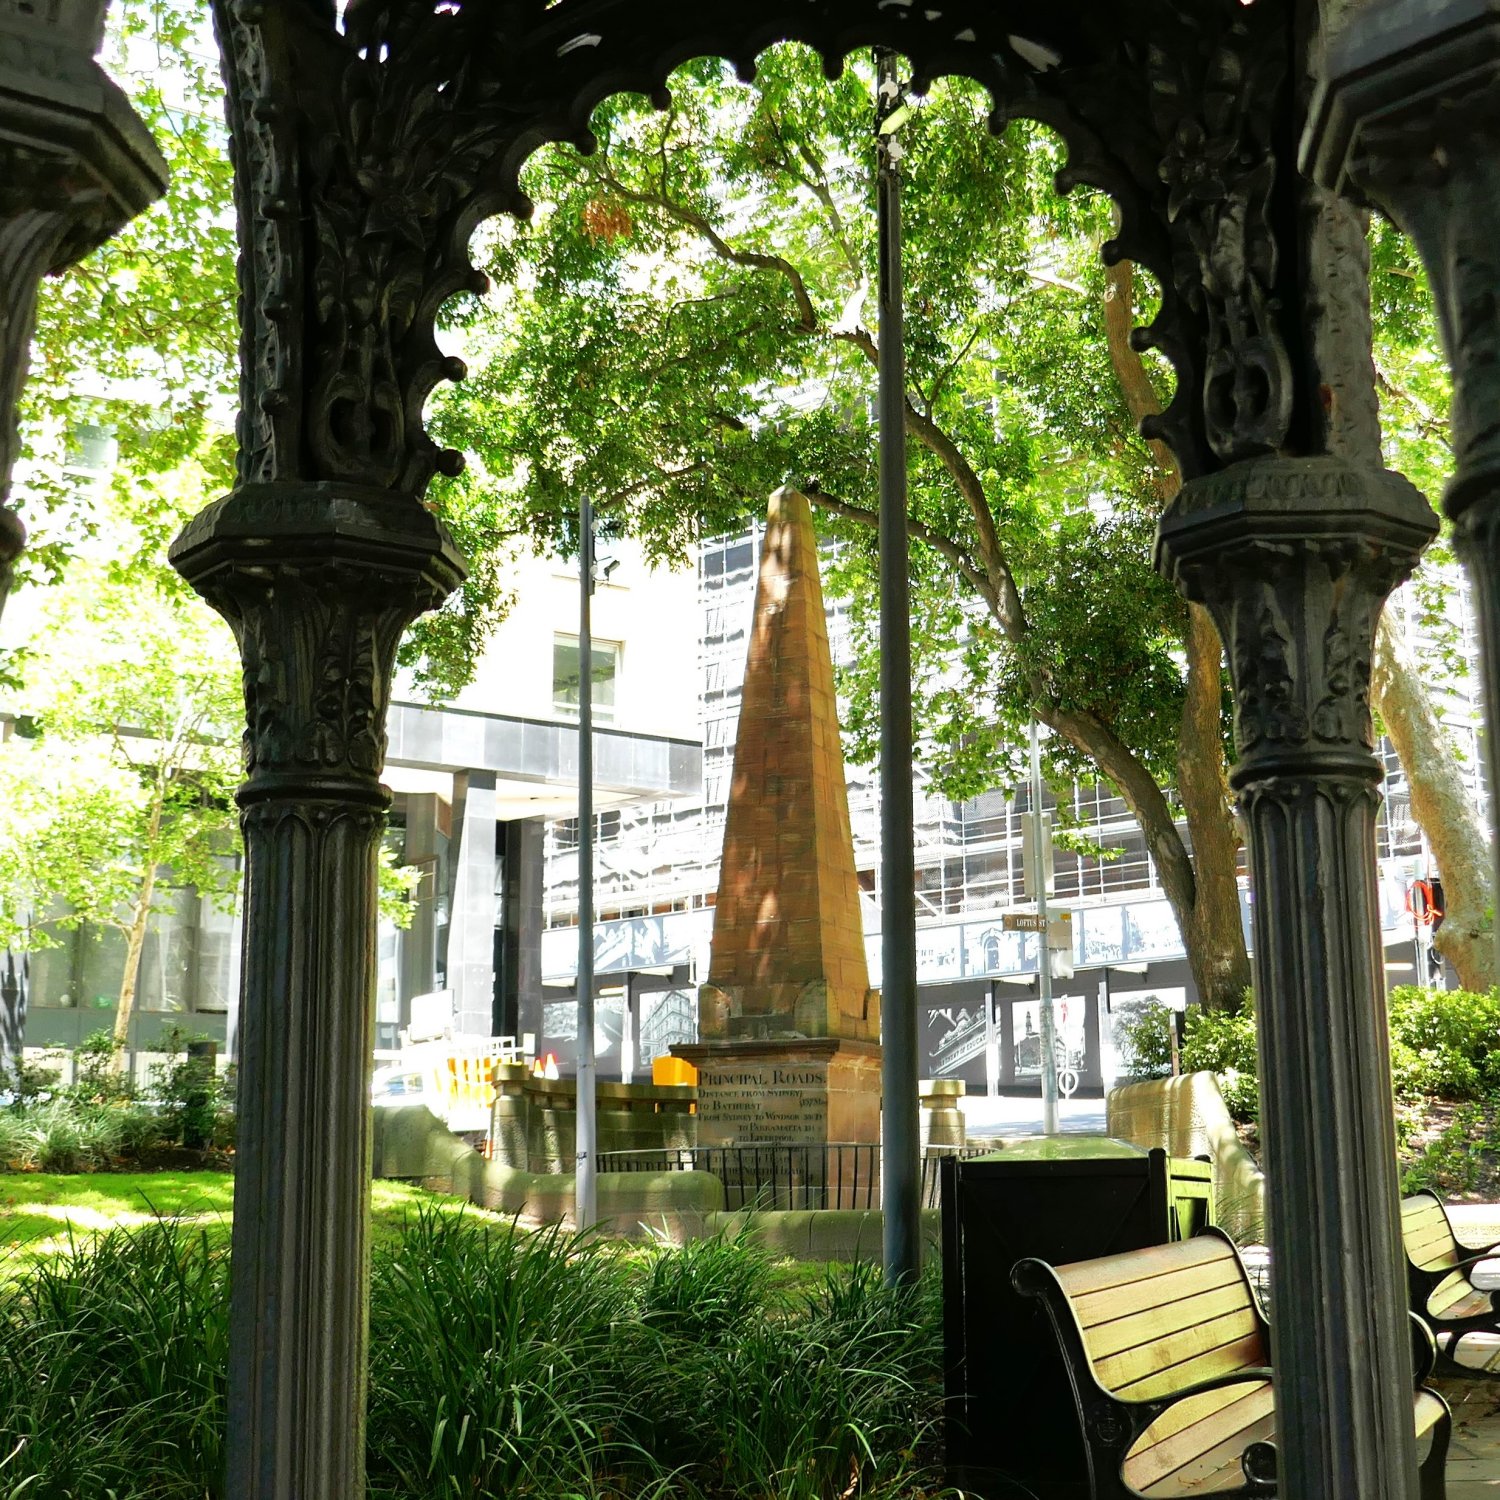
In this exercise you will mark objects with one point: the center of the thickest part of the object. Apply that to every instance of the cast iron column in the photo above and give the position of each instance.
(367, 141)
(1409, 116)
(318, 582)
(1295, 557)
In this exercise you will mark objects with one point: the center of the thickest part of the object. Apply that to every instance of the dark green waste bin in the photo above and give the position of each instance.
(1011, 1425)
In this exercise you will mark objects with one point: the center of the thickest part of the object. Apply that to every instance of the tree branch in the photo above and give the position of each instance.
(661, 476)
(1130, 370)
(691, 219)
(818, 186)
(924, 533)
(1006, 606)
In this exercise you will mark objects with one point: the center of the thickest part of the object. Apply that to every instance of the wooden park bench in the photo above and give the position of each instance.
(1440, 1275)
(1168, 1351)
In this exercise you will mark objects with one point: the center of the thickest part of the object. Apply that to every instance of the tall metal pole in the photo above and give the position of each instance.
(900, 1119)
(586, 1145)
(1044, 959)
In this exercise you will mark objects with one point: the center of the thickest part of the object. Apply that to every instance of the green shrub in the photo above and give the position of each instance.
(188, 1089)
(96, 1080)
(707, 1290)
(27, 1082)
(112, 1367)
(1223, 1044)
(16, 1148)
(97, 1123)
(65, 1136)
(1451, 1162)
(1445, 1042)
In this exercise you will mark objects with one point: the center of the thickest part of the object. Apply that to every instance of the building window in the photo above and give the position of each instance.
(606, 829)
(605, 666)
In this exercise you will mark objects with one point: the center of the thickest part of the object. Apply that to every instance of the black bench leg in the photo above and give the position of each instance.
(1434, 1479)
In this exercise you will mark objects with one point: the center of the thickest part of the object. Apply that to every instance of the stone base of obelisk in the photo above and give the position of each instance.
(797, 1091)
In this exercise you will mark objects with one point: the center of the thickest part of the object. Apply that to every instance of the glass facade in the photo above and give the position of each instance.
(187, 965)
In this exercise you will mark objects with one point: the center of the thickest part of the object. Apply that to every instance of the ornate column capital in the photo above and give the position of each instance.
(318, 582)
(1295, 558)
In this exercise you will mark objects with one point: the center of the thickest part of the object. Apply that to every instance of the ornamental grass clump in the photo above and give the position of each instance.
(501, 1362)
(492, 1368)
(112, 1360)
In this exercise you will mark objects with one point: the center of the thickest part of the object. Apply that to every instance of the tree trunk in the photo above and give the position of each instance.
(135, 942)
(12, 1017)
(1442, 805)
(1209, 939)
(1211, 930)
(1216, 942)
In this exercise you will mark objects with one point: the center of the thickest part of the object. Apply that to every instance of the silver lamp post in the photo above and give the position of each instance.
(586, 1146)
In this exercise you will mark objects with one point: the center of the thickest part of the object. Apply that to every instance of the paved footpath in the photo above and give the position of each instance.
(1474, 1458)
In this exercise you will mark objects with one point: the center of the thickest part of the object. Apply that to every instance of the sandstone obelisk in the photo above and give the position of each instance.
(788, 1025)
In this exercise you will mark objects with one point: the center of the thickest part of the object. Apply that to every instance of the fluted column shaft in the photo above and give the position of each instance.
(318, 581)
(1295, 557)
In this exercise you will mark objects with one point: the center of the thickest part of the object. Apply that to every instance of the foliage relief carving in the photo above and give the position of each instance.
(1214, 98)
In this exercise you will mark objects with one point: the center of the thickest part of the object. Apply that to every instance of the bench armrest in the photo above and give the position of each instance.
(1258, 1465)
(1423, 1348)
(1479, 1252)
(1477, 1259)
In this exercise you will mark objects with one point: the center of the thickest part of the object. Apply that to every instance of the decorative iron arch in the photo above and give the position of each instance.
(366, 157)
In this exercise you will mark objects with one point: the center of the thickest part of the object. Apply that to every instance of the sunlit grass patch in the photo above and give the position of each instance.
(46, 1214)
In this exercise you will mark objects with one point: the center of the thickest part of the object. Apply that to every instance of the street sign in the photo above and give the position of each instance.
(1045, 877)
(1023, 921)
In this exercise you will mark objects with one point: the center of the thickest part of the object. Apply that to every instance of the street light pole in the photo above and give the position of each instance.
(900, 1144)
(586, 1143)
(1044, 956)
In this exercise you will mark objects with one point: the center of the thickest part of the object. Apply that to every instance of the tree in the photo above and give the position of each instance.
(691, 328)
(1413, 383)
(139, 341)
(126, 777)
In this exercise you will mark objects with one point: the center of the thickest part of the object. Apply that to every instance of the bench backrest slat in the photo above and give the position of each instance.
(1448, 1292)
(1156, 1320)
(1427, 1234)
(1223, 1422)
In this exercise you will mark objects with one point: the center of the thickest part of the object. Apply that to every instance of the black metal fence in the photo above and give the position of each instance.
(839, 1174)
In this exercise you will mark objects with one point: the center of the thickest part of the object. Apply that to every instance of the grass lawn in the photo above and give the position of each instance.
(41, 1213)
